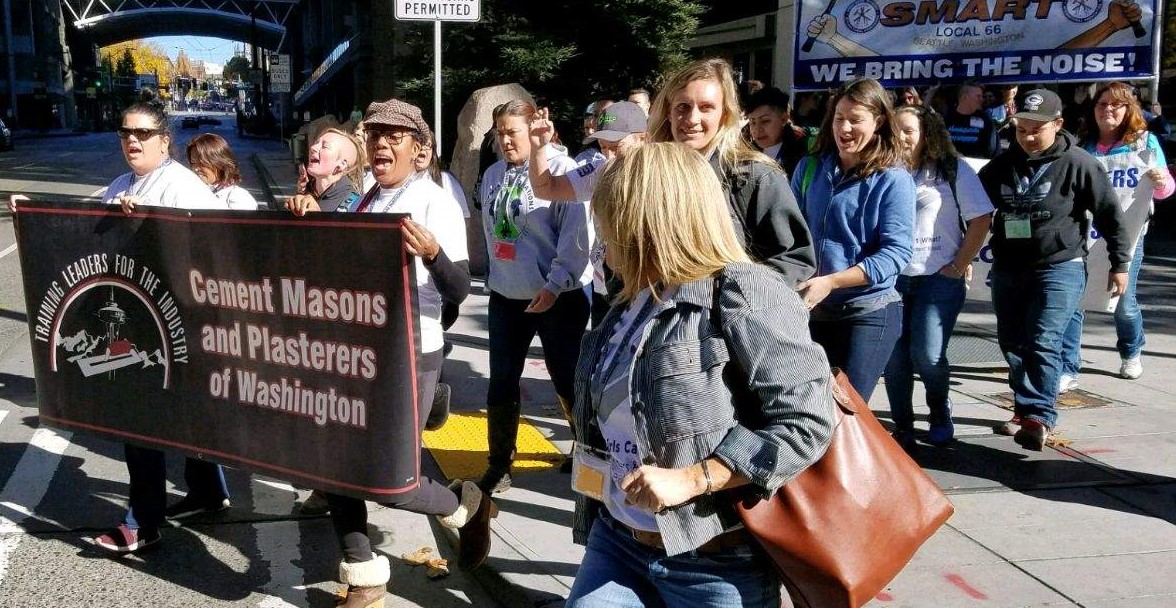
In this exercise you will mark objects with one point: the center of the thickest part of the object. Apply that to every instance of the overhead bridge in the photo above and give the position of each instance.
(112, 21)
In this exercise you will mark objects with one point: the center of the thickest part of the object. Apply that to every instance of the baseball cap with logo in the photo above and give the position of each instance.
(618, 121)
(1039, 104)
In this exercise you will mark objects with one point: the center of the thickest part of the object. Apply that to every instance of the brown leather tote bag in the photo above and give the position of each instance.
(844, 528)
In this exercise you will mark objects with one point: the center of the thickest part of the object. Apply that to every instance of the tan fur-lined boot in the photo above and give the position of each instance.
(366, 583)
(472, 522)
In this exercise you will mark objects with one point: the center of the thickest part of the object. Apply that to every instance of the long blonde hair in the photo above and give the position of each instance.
(728, 143)
(663, 217)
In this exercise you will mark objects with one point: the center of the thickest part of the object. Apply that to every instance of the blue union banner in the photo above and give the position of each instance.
(928, 42)
(248, 338)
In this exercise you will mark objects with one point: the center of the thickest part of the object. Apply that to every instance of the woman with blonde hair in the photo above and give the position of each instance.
(952, 217)
(860, 203)
(335, 171)
(699, 108)
(661, 419)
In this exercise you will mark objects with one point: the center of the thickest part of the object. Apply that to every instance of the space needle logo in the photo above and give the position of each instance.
(108, 327)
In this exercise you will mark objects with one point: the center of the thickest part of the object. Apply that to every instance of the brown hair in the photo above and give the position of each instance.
(515, 107)
(212, 151)
(1133, 126)
(883, 151)
(934, 138)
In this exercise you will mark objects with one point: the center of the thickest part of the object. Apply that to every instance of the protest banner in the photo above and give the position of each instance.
(255, 339)
(1134, 191)
(926, 42)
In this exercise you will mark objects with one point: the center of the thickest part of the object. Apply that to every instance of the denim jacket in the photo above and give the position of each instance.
(753, 392)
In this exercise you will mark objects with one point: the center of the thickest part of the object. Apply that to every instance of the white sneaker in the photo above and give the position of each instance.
(1067, 383)
(1131, 369)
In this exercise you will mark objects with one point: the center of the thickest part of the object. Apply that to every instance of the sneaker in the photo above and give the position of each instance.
(1131, 369)
(1067, 383)
(192, 505)
(124, 539)
(439, 413)
(941, 433)
(1009, 427)
(1032, 435)
(315, 504)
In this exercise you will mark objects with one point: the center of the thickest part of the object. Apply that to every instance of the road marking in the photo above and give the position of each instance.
(277, 544)
(99, 192)
(3, 414)
(27, 486)
(8, 250)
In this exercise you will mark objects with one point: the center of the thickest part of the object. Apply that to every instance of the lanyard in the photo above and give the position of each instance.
(511, 180)
(371, 195)
(1024, 186)
(147, 181)
(604, 373)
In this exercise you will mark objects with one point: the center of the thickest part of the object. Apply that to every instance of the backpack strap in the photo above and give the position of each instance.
(811, 164)
(950, 170)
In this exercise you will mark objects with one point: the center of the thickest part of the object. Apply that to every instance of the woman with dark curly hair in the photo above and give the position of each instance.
(952, 217)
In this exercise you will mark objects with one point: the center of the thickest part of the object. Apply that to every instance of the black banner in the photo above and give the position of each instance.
(256, 339)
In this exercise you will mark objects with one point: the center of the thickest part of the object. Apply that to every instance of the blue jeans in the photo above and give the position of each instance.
(148, 493)
(1128, 323)
(861, 345)
(930, 306)
(619, 572)
(1033, 307)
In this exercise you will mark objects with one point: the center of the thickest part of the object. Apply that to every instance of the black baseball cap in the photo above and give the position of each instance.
(1039, 104)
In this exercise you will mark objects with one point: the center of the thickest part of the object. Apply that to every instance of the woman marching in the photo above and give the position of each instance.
(539, 277)
(1123, 145)
(210, 157)
(156, 180)
(658, 529)
(699, 108)
(435, 234)
(952, 217)
(860, 203)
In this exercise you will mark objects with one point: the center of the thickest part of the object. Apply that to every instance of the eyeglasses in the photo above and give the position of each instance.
(394, 135)
(1103, 105)
(140, 134)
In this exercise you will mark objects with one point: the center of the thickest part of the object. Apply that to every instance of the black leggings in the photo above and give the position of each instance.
(349, 515)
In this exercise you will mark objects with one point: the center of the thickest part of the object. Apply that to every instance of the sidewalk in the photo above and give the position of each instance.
(23, 134)
(1090, 524)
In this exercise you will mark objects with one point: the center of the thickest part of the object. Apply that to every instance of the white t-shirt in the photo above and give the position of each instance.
(236, 198)
(938, 234)
(583, 180)
(590, 154)
(453, 187)
(615, 410)
(432, 208)
(169, 185)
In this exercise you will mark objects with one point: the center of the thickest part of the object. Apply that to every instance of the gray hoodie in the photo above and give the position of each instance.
(533, 243)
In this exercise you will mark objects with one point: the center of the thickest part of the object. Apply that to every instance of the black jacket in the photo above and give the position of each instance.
(1056, 204)
(767, 218)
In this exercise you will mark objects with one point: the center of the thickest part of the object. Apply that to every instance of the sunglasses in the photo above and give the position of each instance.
(140, 134)
(394, 135)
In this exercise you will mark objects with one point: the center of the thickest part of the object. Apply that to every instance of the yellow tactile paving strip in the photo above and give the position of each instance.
(460, 447)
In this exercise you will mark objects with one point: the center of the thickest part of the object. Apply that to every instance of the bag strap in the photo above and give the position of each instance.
(951, 173)
(810, 174)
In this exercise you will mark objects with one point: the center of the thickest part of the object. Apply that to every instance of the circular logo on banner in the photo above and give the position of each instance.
(1081, 11)
(861, 16)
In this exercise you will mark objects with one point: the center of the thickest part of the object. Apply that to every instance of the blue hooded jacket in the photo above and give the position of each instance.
(867, 222)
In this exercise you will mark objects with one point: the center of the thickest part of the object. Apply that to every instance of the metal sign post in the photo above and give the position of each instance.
(468, 11)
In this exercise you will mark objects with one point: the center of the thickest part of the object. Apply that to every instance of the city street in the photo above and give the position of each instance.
(57, 489)
(1089, 522)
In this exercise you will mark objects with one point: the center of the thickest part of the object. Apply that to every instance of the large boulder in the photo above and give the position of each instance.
(473, 122)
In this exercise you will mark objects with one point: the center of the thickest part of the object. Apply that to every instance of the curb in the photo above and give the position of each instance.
(268, 184)
(18, 136)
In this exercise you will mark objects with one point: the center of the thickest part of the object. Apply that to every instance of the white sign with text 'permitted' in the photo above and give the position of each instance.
(438, 10)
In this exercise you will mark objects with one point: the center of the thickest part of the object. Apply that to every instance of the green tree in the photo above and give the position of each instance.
(125, 68)
(616, 45)
(236, 68)
(1168, 40)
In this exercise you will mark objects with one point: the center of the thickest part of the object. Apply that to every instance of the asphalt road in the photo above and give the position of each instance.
(57, 489)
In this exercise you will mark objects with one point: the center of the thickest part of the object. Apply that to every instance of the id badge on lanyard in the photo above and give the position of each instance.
(1018, 225)
(590, 470)
(506, 230)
